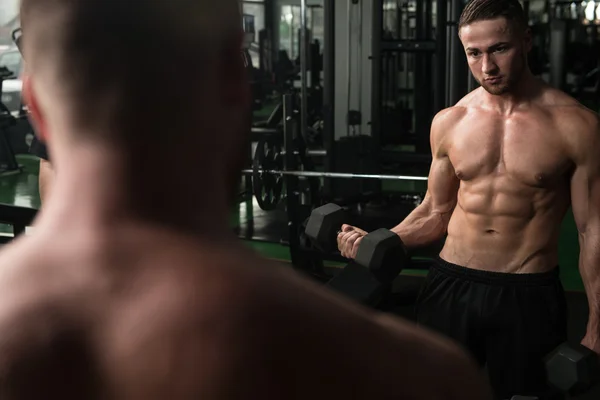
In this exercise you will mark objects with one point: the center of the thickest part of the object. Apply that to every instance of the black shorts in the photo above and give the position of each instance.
(509, 322)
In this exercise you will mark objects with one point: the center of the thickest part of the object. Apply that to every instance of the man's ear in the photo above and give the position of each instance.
(35, 113)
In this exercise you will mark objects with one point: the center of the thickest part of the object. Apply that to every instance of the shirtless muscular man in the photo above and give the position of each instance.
(133, 286)
(508, 161)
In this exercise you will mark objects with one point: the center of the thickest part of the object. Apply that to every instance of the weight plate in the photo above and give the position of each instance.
(267, 188)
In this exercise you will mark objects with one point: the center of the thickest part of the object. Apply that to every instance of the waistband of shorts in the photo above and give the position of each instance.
(497, 278)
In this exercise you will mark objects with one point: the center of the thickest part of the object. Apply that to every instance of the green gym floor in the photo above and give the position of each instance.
(21, 189)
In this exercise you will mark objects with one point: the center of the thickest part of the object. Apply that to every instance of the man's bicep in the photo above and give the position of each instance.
(443, 184)
(585, 185)
(585, 196)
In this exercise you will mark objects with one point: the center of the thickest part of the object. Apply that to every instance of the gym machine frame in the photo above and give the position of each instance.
(273, 160)
(298, 209)
(425, 48)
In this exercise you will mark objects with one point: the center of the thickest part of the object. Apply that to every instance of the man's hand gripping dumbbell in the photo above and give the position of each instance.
(378, 257)
(349, 239)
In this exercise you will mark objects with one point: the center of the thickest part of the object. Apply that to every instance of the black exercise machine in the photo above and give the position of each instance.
(8, 162)
(18, 217)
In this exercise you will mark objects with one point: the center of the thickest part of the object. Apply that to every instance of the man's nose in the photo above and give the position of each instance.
(489, 66)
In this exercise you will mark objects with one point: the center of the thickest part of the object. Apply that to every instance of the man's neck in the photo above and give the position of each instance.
(97, 189)
(524, 92)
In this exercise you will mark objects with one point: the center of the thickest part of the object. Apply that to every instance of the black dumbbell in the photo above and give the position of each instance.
(573, 369)
(323, 225)
(378, 251)
(380, 258)
(383, 253)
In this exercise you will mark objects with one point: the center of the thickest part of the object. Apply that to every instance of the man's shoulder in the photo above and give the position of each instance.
(276, 301)
(444, 124)
(450, 116)
(33, 275)
(31, 320)
(577, 125)
(27, 278)
(471, 99)
(567, 110)
(575, 116)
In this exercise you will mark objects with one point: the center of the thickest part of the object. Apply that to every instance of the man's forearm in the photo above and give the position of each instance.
(422, 227)
(589, 263)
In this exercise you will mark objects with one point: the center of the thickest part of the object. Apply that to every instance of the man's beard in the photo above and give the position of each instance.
(509, 83)
(497, 90)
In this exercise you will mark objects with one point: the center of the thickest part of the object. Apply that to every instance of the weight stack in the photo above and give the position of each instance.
(354, 155)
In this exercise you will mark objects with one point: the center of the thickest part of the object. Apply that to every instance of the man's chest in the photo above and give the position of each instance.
(529, 151)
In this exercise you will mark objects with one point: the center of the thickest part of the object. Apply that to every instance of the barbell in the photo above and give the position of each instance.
(268, 171)
(268, 184)
(340, 175)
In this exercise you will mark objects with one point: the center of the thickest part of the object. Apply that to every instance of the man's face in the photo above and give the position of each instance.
(496, 53)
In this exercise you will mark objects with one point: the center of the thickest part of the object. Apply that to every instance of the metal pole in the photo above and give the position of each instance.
(421, 84)
(458, 67)
(526, 8)
(341, 175)
(440, 55)
(289, 133)
(376, 82)
(558, 46)
(329, 90)
(310, 153)
(272, 27)
(303, 72)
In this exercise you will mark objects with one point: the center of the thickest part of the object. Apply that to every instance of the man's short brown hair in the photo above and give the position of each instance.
(485, 10)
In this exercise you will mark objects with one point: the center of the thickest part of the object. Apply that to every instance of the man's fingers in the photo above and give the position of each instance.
(341, 240)
(364, 233)
(347, 238)
(348, 228)
(355, 247)
(349, 243)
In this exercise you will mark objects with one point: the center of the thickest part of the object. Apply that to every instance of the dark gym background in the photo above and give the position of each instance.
(356, 86)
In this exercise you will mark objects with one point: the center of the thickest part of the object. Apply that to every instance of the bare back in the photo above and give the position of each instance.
(174, 317)
(514, 174)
